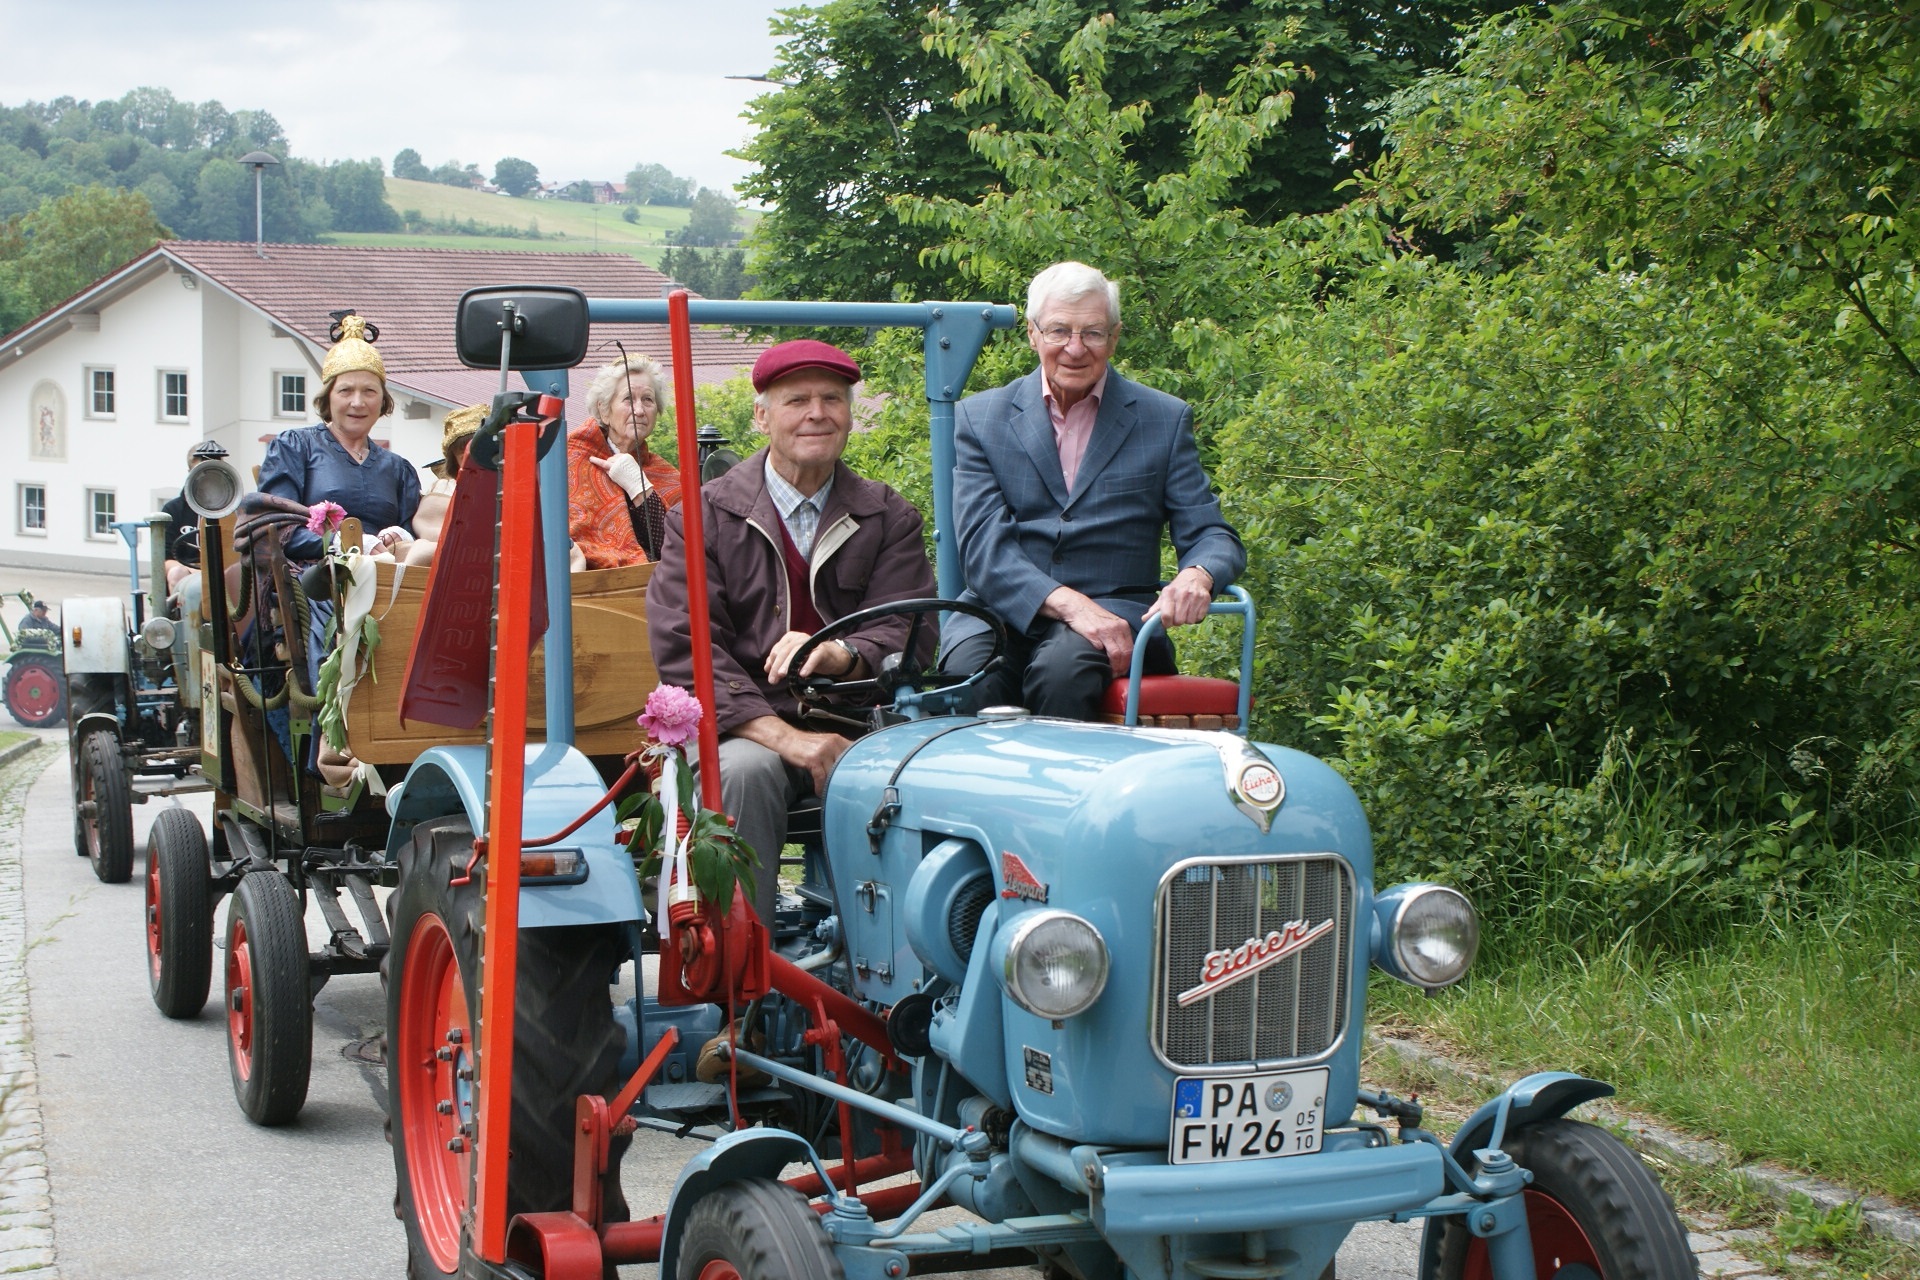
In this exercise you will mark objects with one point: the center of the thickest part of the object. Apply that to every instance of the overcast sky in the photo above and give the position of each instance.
(585, 89)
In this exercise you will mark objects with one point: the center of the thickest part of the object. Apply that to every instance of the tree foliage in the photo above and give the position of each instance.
(66, 244)
(515, 176)
(869, 112)
(656, 184)
(408, 164)
(711, 221)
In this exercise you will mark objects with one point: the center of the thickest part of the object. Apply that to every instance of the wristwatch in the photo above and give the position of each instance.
(853, 655)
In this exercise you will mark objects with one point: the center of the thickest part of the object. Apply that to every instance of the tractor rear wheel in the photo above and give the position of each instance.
(105, 808)
(269, 1003)
(1593, 1210)
(566, 1043)
(756, 1229)
(179, 915)
(36, 691)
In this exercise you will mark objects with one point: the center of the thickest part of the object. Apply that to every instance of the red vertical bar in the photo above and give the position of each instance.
(694, 525)
(500, 950)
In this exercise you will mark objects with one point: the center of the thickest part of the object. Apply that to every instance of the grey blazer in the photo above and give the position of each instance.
(1021, 534)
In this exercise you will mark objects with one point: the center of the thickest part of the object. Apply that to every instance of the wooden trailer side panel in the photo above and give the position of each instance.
(613, 670)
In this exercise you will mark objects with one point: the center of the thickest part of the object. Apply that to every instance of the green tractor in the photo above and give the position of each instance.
(35, 683)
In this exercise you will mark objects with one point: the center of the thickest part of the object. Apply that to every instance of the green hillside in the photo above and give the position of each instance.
(647, 253)
(568, 218)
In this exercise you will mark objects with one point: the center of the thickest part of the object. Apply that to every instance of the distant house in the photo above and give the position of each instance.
(609, 192)
(102, 396)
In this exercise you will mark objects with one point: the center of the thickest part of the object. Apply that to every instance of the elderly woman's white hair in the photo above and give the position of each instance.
(607, 383)
(1065, 282)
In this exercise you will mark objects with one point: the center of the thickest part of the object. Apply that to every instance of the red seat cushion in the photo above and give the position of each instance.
(1177, 696)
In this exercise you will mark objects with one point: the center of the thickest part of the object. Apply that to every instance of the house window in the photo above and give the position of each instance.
(99, 393)
(289, 395)
(173, 395)
(33, 508)
(100, 513)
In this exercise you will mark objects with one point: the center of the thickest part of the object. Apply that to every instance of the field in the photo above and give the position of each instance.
(565, 226)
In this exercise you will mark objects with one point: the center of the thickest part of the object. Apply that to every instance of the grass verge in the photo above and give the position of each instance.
(1796, 1043)
(10, 736)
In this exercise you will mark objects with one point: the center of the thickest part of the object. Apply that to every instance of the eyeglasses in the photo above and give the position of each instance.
(1058, 335)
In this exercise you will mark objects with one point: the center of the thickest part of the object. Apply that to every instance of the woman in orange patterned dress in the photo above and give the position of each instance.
(618, 490)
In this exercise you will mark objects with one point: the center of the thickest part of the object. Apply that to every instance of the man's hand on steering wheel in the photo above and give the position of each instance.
(810, 684)
(837, 660)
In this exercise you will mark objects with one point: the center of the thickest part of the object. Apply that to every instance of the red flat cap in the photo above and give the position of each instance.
(777, 361)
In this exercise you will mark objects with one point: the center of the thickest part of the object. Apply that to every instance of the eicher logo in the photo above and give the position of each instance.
(1021, 882)
(1221, 969)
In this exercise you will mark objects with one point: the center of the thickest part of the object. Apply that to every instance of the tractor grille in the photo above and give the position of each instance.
(1286, 1009)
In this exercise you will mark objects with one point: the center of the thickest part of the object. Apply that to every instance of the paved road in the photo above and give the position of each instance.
(152, 1173)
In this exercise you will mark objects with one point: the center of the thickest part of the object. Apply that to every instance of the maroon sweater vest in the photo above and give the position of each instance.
(805, 617)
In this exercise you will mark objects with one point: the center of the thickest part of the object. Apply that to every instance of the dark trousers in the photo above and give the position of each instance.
(1051, 670)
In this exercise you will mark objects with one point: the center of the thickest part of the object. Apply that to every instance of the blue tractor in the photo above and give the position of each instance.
(1101, 985)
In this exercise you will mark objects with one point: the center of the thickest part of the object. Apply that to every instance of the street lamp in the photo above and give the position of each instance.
(258, 161)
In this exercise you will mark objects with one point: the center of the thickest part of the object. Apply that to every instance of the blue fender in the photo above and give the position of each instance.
(749, 1153)
(561, 784)
(1545, 1095)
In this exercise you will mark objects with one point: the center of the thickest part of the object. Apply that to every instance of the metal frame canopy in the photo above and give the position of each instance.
(955, 334)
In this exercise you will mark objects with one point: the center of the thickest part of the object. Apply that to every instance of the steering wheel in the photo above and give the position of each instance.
(895, 673)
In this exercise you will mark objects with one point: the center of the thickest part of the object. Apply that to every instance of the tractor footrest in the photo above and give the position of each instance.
(691, 1096)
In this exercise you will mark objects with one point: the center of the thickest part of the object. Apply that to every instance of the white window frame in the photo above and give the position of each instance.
(279, 402)
(20, 509)
(95, 531)
(89, 393)
(161, 394)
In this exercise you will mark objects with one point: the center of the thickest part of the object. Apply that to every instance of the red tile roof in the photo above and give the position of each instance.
(411, 296)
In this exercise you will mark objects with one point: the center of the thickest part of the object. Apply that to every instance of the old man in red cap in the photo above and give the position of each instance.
(794, 540)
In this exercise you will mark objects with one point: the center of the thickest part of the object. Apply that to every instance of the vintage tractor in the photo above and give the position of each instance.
(1103, 986)
(133, 692)
(35, 689)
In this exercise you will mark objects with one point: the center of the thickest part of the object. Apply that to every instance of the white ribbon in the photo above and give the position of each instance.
(676, 866)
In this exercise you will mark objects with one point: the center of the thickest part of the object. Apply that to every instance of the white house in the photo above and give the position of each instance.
(102, 397)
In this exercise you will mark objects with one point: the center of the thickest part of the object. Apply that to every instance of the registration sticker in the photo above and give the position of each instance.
(1257, 1117)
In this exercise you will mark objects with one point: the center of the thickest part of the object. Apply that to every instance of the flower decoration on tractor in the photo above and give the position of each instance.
(697, 855)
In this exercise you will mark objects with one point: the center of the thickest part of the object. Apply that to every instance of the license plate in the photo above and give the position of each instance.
(1259, 1117)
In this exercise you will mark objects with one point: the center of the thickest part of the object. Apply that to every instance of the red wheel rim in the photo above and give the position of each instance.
(719, 1269)
(1558, 1242)
(153, 914)
(436, 1103)
(240, 1000)
(33, 692)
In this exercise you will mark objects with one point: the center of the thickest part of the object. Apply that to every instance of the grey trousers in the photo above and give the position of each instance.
(757, 788)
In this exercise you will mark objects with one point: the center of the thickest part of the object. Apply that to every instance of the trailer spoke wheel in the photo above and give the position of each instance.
(269, 1003)
(179, 915)
(756, 1229)
(36, 693)
(432, 1067)
(105, 808)
(1594, 1212)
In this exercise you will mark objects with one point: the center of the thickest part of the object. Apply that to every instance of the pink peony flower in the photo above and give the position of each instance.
(672, 717)
(325, 517)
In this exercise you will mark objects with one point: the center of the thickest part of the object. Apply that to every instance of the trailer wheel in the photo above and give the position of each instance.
(566, 1043)
(36, 692)
(105, 809)
(179, 915)
(756, 1229)
(1593, 1209)
(269, 1004)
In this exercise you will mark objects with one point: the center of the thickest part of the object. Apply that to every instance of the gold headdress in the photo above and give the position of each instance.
(353, 340)
(460, 424)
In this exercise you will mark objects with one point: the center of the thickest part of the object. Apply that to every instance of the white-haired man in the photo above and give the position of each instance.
(1063, 483)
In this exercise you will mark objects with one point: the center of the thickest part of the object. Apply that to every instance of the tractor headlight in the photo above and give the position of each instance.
(1426, 934)
(1055, 964)
(158, 632)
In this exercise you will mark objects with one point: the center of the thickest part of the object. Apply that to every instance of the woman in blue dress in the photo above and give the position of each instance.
(336, 460)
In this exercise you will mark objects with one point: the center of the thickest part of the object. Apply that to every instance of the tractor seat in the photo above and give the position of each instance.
(1177, 702)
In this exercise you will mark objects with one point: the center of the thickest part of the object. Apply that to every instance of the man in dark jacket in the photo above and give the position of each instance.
(794, 541)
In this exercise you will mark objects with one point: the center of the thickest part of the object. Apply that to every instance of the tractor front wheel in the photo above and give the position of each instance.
(179, 915)
(269, 1004)
(36, 691)
(104, 808)
(566, 1043)
(756, 1229)
(1593, 1210)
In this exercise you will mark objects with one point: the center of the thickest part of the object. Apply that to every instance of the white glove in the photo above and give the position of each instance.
(393, 536)
(625, 471)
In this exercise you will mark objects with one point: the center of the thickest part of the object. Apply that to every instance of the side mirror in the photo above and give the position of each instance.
(539, 327)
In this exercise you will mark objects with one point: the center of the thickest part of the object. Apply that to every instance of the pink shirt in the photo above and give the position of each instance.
(1073, 428)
